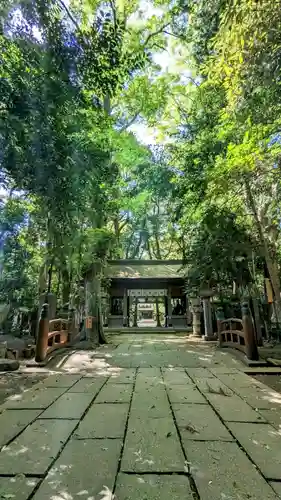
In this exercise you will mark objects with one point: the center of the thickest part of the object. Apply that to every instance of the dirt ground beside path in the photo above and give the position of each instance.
(17, 382)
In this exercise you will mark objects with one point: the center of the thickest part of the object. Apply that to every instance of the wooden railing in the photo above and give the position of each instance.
(58, 334)
(54, 334)
(231, 333)
(239, 334)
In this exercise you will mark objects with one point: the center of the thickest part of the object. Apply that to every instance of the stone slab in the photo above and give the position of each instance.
(36, 448)
(17, 488)
(199, 372)
(263, 370)
(173, 376)
(263, 444)
(93, 472)
(233, 408)
(12, 422)
(277, 488)
(273, 417)
(103, 421)
(88, 385)
(199, 422)
(115, 393)
(260, 397)
(238, 379)
(122, 376)
(152, 445)
(148, 377)
(36, 398)
(213, 386)
(185, 394)
(153, 487)
(222, 471)
(69, 405)
(223, 369)
(61, 380)
(152, 403)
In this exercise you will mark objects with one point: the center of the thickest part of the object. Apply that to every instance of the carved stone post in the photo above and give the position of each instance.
(196, 321)
(220, 318)
(43, 333)
(249, 334)
(208, 324)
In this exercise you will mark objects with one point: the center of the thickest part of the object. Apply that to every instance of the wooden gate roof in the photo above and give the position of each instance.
(145, 269)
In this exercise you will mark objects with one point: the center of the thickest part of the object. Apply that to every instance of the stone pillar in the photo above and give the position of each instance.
(169, 302)
(208, 326)
(196, 311)
(125, 308)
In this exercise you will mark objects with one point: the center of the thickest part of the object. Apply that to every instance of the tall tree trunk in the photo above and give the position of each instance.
(65, 286)
(58, 284)
(270, 262)
(94, 308)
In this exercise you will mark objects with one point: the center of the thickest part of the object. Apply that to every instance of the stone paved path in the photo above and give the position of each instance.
(145, 418)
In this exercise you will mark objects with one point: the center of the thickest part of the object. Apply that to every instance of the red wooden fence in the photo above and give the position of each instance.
(54, 334)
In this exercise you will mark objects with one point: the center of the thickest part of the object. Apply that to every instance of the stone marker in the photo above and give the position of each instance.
(176, 377)
(153, 487)
(199, 422)
(88, 385)
(115, 393)
(94, 471)
(263, 444)
(152, 445)
(103, 421)
(12, 422)
(35, 449)
(233, 408)
(185, 394)
(17, 488)
(69, 405)
(61, 380)
(37, 397)
(222, 472)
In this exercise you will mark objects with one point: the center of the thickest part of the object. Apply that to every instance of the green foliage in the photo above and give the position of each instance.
(219, 250)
